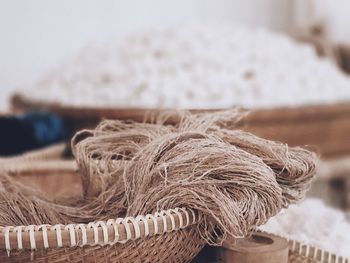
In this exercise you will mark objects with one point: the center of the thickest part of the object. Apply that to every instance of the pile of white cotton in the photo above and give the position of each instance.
(312, 222)
(195, 67)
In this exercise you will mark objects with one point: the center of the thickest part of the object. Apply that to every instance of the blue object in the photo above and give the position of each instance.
(30, 131)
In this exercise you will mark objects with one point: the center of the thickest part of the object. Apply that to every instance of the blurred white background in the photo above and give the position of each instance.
(37, 34)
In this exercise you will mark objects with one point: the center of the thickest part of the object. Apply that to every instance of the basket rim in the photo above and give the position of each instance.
(98, 233)
(20, 103)
(50, 152)
(309, 251)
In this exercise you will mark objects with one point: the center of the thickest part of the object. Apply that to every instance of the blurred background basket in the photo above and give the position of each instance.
(326, 128)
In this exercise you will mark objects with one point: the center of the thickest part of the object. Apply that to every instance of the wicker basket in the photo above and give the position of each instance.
(301, 253)
(52, 152)
(325, 127)
(39, 168)
(167, 236)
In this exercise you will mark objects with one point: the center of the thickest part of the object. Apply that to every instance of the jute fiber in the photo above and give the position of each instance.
(233, 179)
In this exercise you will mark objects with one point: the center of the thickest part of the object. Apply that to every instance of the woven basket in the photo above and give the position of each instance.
(301, 253)
(52, 152)
(167, 236)
(40, 168)
(325, 127)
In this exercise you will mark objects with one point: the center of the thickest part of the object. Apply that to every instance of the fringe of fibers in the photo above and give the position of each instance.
(235, 180)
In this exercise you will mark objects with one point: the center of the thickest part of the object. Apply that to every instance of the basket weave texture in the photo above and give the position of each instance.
(172, 237)
(167, 236)
(174, 240)
(302, 253)
(296, 258)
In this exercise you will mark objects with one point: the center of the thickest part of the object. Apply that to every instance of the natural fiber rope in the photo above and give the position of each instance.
(234, 180)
